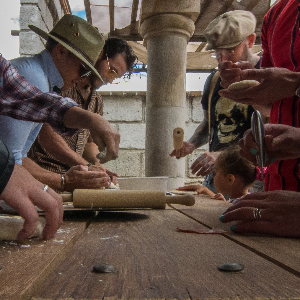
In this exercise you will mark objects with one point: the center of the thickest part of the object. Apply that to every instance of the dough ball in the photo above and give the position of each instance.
(113, 186)
(244, 84)
(10, 226)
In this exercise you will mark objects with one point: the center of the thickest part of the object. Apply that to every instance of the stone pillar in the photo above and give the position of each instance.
(165, 36)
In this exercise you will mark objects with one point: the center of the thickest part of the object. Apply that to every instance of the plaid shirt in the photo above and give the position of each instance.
(20, 100)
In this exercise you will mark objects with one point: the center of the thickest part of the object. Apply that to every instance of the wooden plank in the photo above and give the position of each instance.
(154, 261)
(22, 265)
(283, 251)
(87, 6)
(111, 15)
(134, 10)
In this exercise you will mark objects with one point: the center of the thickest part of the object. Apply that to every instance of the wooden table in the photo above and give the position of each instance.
(152, 259)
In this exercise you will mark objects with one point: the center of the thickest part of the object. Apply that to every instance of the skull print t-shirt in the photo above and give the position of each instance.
(229, 119)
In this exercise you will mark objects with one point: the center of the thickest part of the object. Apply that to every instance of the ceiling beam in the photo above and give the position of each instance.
(135, 6)
(88, 13)
(111, 15)
(65, 6)
(201, 46)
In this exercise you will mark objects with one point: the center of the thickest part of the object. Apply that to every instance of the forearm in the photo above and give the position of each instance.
(47, 177)
(79, 118)
(103, 134)
(90, 153)
(56, 146)
(208, 192)
(200, 136)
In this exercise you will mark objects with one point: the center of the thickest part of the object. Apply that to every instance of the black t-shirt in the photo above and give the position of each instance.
(229, 119)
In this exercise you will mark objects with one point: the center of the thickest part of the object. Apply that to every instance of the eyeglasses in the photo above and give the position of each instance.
(110, 73)
(84, 71)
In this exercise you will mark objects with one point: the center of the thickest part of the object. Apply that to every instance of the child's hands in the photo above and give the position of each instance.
(195, 187)
(200, 189)
(218, 196)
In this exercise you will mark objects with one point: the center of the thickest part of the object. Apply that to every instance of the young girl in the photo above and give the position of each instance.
(233, 175)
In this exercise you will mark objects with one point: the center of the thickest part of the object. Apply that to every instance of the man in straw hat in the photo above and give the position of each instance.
(72, 49)
(59, 154)
(20, 100)
(231, 35)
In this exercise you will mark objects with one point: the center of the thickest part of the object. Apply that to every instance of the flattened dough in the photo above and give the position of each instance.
(244, 84)
(10, 226)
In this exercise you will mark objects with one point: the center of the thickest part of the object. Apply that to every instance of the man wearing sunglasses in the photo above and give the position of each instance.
(54, 158)
(72, 49)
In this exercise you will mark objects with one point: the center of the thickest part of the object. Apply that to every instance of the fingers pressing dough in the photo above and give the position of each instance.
(244, 84)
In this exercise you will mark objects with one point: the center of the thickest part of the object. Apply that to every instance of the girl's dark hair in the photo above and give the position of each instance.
(230, 161)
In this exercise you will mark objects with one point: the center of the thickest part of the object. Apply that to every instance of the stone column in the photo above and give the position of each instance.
(165, 36)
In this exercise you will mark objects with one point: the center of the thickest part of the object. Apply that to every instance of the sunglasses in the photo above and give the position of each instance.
(84, 71)
(110, 73)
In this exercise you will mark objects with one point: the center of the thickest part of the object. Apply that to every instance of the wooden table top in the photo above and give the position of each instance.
(153, 260)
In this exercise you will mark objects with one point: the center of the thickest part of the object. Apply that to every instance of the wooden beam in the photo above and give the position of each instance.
(112, 15)
(65, 6)
(135, 6)
(201, 46)
(87, 6)
(225, 7)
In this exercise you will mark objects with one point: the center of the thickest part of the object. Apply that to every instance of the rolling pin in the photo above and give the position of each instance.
(90, 198)
(178, 135)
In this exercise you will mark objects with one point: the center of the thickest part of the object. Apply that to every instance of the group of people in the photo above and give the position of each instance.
(42, 150)
(45, 99)
(276, 210)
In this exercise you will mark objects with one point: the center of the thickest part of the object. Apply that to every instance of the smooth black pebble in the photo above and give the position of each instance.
(231, 267)
(104, 268)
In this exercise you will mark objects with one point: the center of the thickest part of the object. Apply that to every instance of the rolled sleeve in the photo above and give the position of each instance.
(22, 101)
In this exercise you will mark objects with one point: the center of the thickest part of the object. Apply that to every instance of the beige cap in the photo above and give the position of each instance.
(229, 29)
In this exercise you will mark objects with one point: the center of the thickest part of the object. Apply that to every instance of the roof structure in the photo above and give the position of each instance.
(120, 18)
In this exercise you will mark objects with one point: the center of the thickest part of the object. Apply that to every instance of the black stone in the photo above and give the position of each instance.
(231, 267)
(104, 268)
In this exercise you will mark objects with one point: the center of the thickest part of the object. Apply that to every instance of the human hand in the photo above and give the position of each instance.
(104, 135)
(22, 193)
(78, 177)
(186, 149)
(231, 72)
(100, 168)
(275, 84)
(218, 196)
(203, 165)
(192, 188)
(281, 142)
(278, 214)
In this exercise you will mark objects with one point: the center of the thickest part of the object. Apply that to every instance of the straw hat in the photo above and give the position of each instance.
(78, 36)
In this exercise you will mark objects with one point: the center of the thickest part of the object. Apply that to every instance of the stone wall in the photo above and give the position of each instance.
(41, 13)
(126, 112)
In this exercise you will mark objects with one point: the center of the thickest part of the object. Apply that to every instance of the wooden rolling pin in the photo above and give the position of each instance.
(124, 199)
(178, 135)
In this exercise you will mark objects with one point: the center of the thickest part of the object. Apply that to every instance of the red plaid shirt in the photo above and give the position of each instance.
(20, 100)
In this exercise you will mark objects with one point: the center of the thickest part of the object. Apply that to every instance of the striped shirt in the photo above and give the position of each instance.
(281, 48)
(76, 142)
